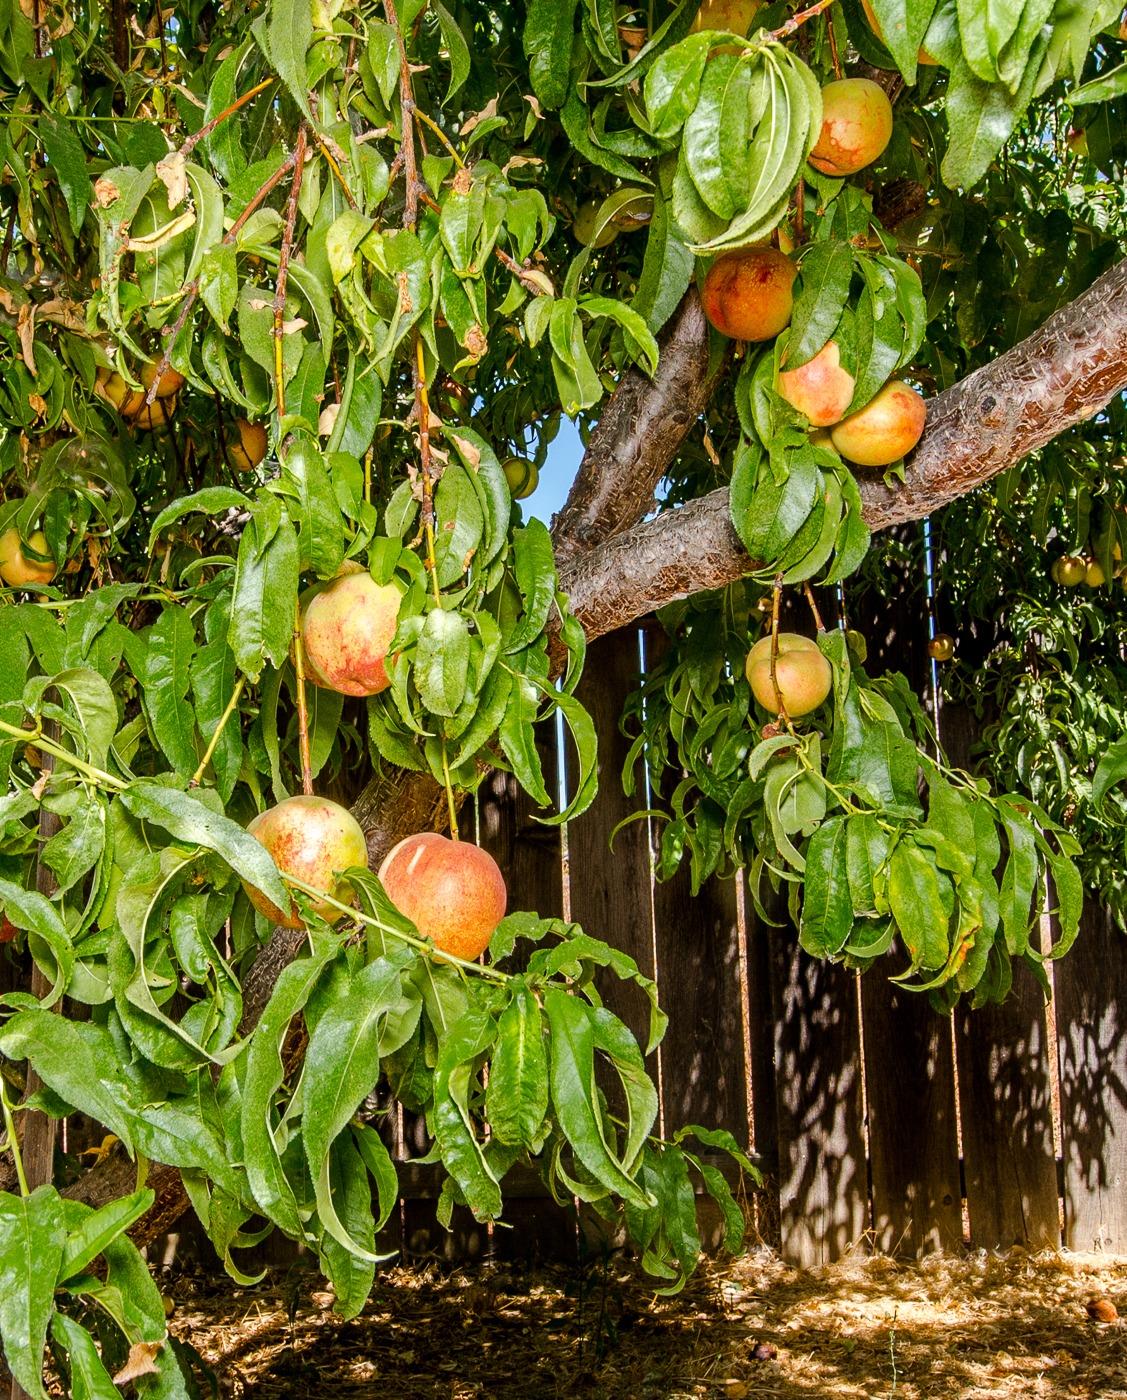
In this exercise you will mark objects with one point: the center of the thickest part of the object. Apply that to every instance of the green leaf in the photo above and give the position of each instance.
(350, 1274)
(516, 1099)
(41, 920)
(919, 896)
(284, 34)
(186, 818)
(455, 1133)
(86, 1242)
(981, 117)
(827, 270)
(827, 909)
(313, 509)
(456, 47)
(575, 1096)
(549, 27)
(1101, 89)
(518, 739)
(89, 1379)
(32, 1238)
(264, 601)
(265, 1072)
(341, 1069)
(534, 566)
(1019, 879)
(672, 85)
(1110, 771)
(67, 159)
(211, 501)
(167, 678)
(442, 661)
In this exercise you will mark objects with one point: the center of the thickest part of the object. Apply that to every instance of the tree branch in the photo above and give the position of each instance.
(1061, 375)
(638, 434)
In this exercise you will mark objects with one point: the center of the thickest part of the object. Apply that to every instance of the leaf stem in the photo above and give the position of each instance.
(13, 1140)
(36, 737)
(438, 131)
(208, 127)
(776, 598)
(424, 945)
(213, 742)
(302, 712)
(284, 272)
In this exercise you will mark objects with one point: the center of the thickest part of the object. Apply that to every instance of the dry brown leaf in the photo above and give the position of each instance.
(139, 1362)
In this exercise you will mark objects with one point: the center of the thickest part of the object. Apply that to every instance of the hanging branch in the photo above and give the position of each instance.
(192, 289)
(284, 271)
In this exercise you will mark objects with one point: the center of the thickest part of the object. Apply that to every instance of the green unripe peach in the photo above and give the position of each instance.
(16, 568)
(1071, 570)
(803, 677)
(522, 476)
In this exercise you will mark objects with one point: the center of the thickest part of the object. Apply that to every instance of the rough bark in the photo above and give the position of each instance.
(1060, 376)
(638, 434)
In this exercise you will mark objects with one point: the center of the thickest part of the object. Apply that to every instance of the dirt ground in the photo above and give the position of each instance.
(974, 1327)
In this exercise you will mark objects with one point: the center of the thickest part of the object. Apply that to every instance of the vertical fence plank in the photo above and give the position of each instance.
(530, 855)
(823, 1191)
(610, 890)
(698, 960)
(913, 1149)
(764, 1117)
(1005, 1097)
(1091, 1006)
(1005, 1094)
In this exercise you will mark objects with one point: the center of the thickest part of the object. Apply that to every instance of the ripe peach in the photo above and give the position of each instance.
(452, 891)
(856, 126)
(117, 392)
(803, 676)
(346, 631)
(8, 931)
(312, 839)
(155, 416)
(246, 447)
(16, 569)
(921, 57)
(1069, 570)
(820, 388)
(171, 381)
(522, 476)
(884, 430)
(748, 294)
(1094, 575)
(733, 16)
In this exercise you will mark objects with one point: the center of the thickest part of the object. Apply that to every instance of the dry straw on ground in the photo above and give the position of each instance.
(965, 1328)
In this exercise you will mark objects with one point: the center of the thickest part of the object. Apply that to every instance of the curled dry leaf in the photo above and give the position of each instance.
(140, 1362)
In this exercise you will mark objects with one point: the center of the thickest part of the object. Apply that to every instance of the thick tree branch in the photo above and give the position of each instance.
(638, 434)
(1062, 375)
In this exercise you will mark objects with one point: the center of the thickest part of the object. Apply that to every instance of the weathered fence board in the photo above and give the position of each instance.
(913, 1147)
(1091, 1010)
(610, 889)
(823, 1191)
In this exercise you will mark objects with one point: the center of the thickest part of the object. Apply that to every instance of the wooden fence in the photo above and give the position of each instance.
(876, 1122)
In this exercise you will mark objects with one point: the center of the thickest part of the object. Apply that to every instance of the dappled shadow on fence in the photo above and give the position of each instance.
(1091, 994)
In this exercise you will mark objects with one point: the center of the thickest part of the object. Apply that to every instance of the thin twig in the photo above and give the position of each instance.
(795, 20)
(284, 272)
(420, 115)
(208, 127)
(776, 599)
(192, 289)
(818, 623)
(213, 742)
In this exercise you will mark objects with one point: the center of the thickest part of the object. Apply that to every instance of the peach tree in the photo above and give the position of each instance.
(294, 299)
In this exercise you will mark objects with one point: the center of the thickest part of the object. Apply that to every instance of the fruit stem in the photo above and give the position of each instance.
(13, 1140)
(284, 272)
(818, 623)
(449, 794)
(213, 742)
(424, 945)
(776, 599)
(302, 712)
(37, 738)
